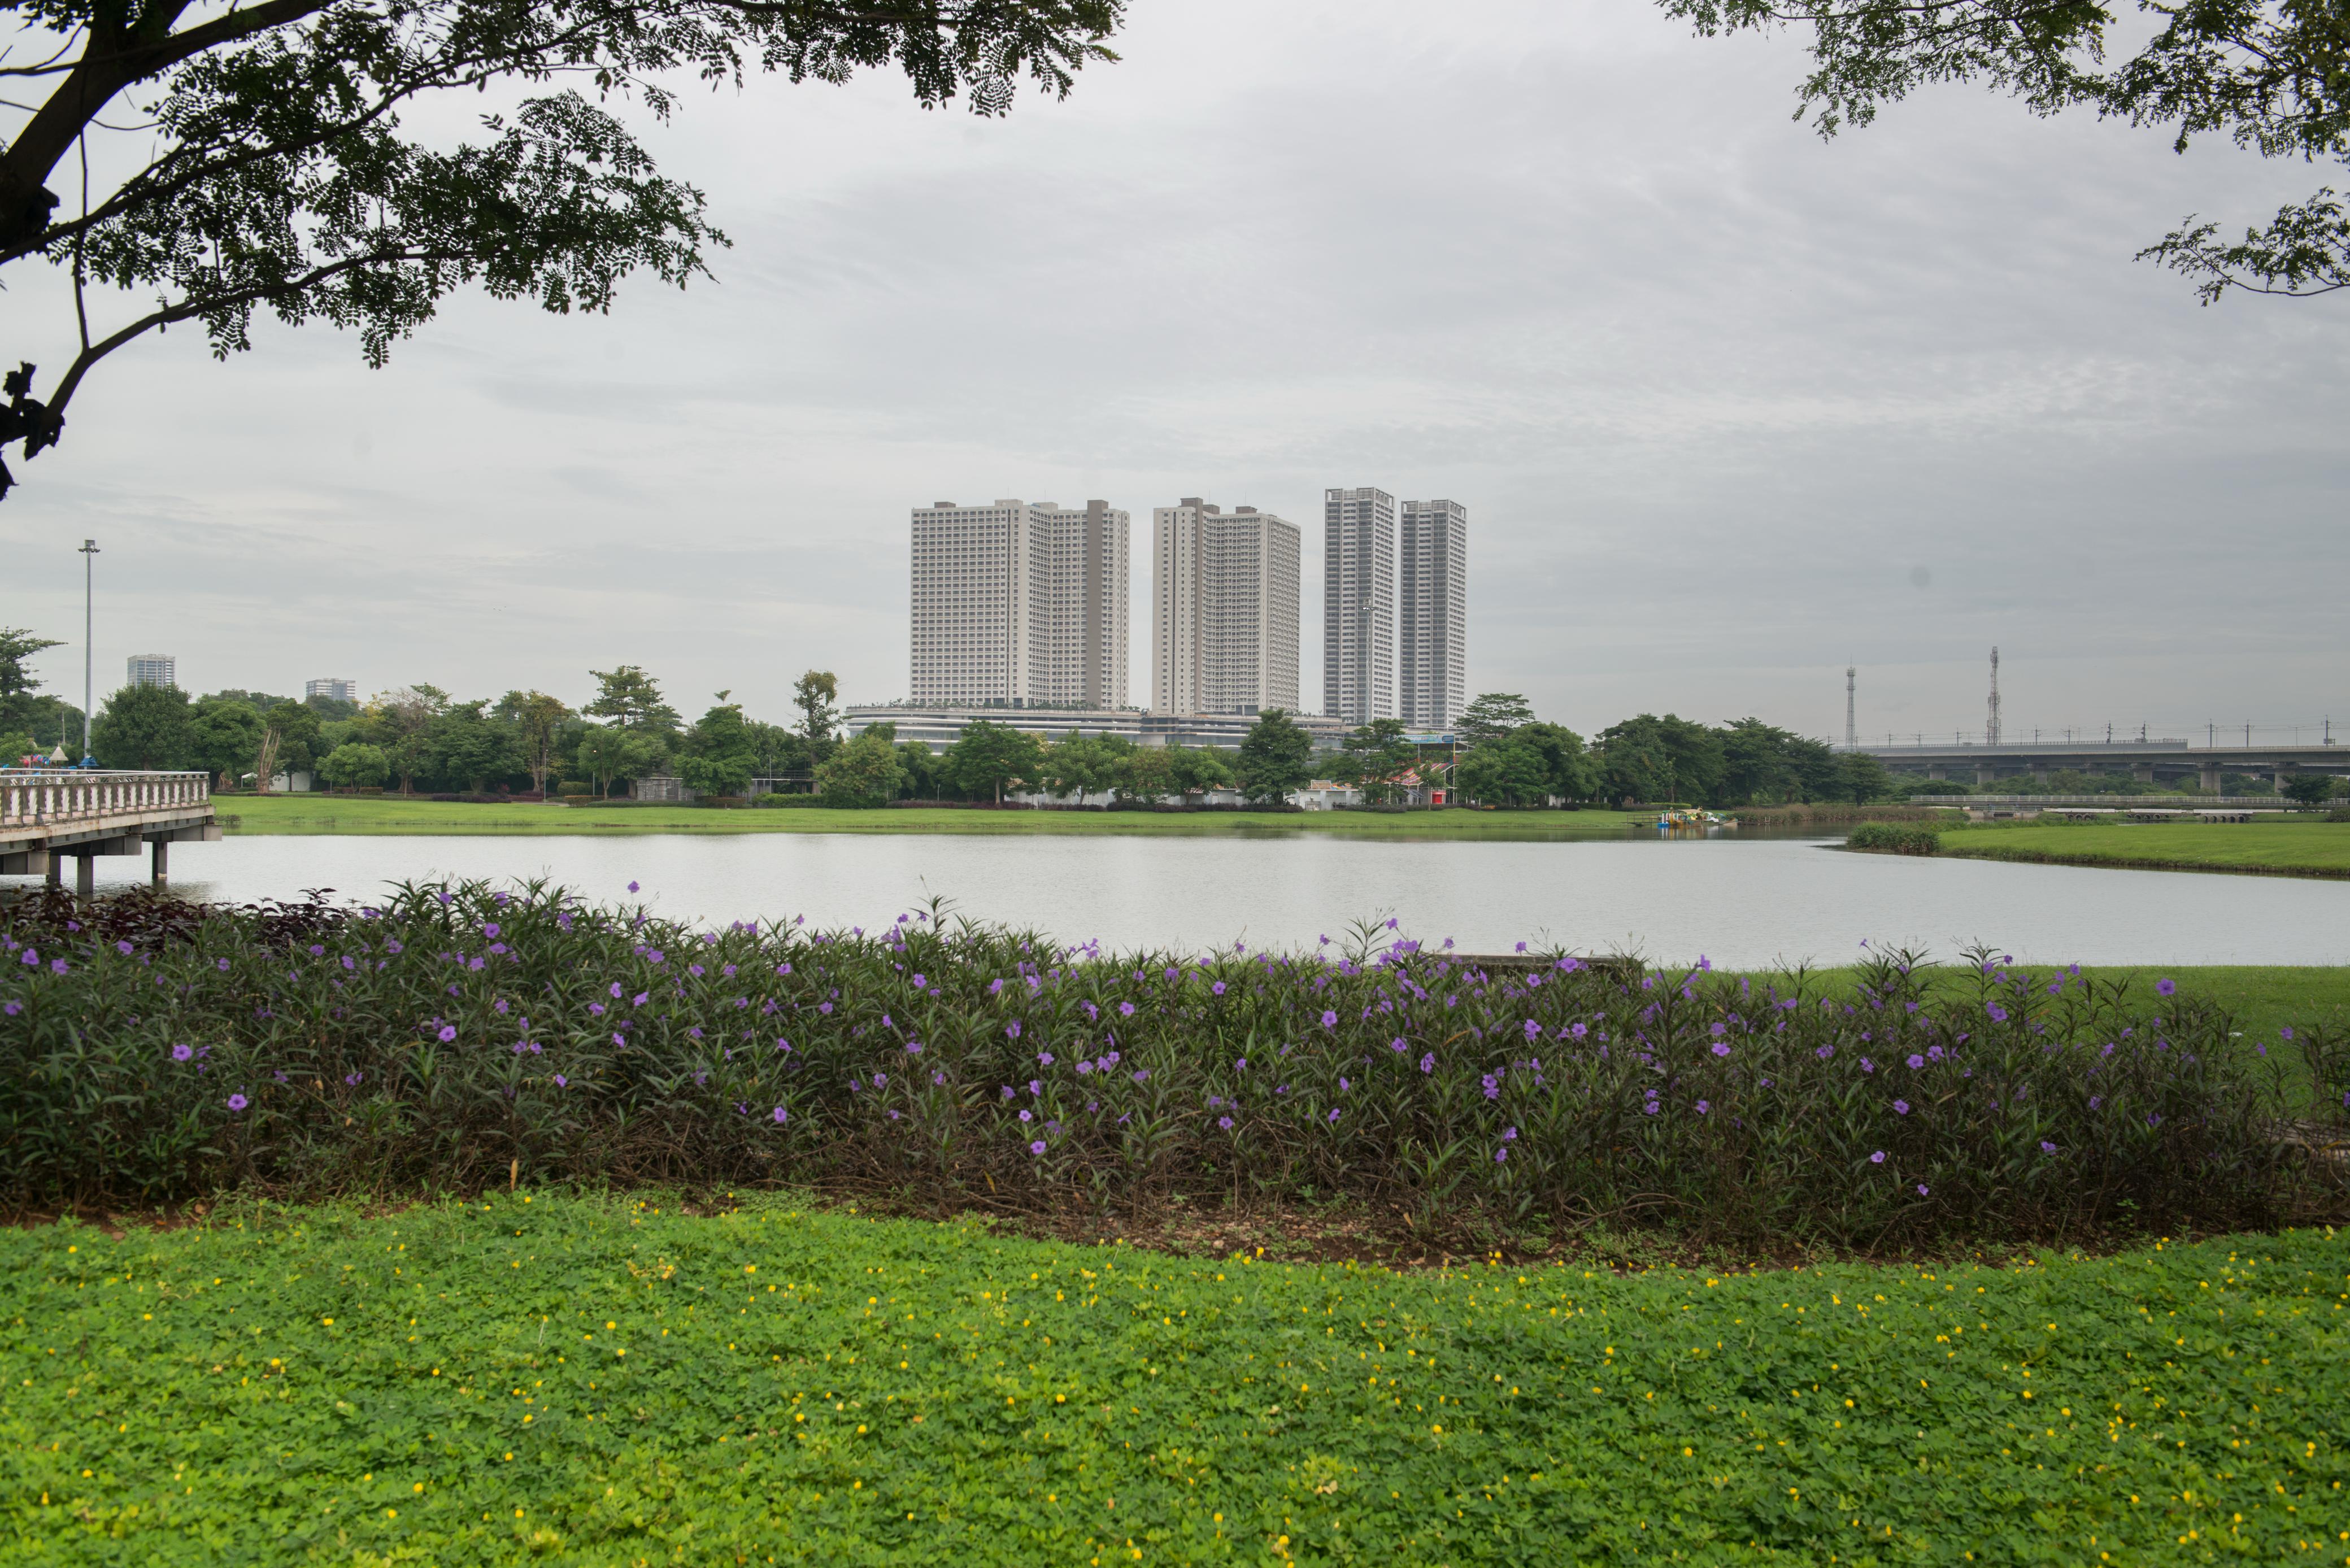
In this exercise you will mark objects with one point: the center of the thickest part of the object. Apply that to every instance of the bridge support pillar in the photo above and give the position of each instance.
(2142, 772)
(86, 876)
(1938, 772)
(162, 860)
(1983, 772)
(2039, 771)
(57, 869)
(2211, 778)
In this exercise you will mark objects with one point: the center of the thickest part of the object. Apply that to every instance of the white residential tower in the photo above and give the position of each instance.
(1359, 605)
(1224, 609)
(1433, 658)
(1020, 602)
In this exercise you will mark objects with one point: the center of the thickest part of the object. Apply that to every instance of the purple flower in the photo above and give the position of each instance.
(2165, 986)
(1901, 1107)
(1043, 1058)
(489, 929)
(1014, 1032)
(1997, 1013)
(1242, 1064)
(1877, 1158)
(353, 1079)
(1140, 1073)
(1025, 1117)
(2047, 1148)
(124, 948)
(1503, 1155)
(1922, 1189)
(632, 886)
(1334, 1112)
(1126, 1009)
(561, 1082)
(12, 1007)
(181, 1052)
(448, 1033)
(1225, 1123)
(1329, 1020)
(1916, 1062)
(237, 1101)
(919, 982)
(1866, 1066)
(1428, 1062)
(782, 1116)
(1218, 988)
(1651, 1108)
(1702, 1107)
(1720, 1048)
(1037, 1147)
(57, 966)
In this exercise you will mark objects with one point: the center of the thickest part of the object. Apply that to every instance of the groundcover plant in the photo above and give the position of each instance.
(463, 1037)
(608, 1382)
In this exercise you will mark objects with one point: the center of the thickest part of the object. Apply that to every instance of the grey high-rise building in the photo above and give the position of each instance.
(152, 669)
(1022, 602)
(1433, 658)
(1359, 605)
(1224, 609)
(333, 686)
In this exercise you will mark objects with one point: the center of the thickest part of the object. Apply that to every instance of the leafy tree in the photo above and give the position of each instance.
(1490, 715)
(1864, 778)
(15, 746)
(719, 754)
(776, 751)
(266, 160)
(2271, 75)
(224, 738)
(1375, 758)
(17, 684)
(2310, 789)
(1275, 758)
(813, 694)
(1195, 770)
(538, 721)
(864, 771)
(920, 774)
(990, 755)
(142, 727)
(1071, 765)
(289, 738)
(1146, 773)
(469, 748)
(632, 699)
(331, 708)
(1503, 772)
(355, 765)
(607, 752)
(1660, 757)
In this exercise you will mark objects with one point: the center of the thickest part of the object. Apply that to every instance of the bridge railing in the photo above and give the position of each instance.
(44, 797)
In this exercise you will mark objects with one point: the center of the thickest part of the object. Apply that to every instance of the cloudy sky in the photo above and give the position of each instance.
(1730, 408)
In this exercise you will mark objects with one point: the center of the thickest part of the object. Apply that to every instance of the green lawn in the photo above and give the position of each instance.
(393, 814)
(2300, 848)
(2264, 998)
(608, 1382)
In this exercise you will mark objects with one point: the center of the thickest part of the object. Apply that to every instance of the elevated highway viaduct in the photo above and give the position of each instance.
(2158, 762)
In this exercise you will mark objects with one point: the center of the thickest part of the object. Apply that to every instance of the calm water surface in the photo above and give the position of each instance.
(1741, 903)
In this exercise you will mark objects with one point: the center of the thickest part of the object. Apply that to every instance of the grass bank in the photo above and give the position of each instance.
(369, 814)
(2302, 847)
(2262, 1000)
(610, 1382)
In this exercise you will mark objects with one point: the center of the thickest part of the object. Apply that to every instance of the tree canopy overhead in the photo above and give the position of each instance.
(2271, 76)
(269, 167)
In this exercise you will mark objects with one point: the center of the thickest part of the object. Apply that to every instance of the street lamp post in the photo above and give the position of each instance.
(89, 625)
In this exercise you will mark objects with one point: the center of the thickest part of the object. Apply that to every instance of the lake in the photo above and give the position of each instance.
(1743, 903)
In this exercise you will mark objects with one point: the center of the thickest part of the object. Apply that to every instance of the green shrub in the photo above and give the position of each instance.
(793, 802)
(461, 1031)
(1895, 838)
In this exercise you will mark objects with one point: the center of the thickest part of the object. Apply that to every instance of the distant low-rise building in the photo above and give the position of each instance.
(940, 726)
(153, 669)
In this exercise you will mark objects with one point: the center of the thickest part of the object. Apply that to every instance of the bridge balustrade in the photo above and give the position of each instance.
(55, 797)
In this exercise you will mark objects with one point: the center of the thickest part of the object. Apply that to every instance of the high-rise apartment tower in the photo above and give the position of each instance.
(333, 686)
(1433, 658)
(1022, 602)
(153, 669)
(1224, 609)
(1359, 605)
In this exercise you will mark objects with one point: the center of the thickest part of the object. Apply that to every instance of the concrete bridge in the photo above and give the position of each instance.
(2148, 761)
(48, 816)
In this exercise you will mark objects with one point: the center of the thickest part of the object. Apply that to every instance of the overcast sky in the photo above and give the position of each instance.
(1730, 408)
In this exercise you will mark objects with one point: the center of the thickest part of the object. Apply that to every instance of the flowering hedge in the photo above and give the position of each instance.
(464, 1036)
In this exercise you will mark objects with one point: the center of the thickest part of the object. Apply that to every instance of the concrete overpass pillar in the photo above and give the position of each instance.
(86, 876)
(1938, 771)
(1983, 772)
(2142, 772)
(57, 869)
(2211, 778)
(2039, 770)
(162, 858)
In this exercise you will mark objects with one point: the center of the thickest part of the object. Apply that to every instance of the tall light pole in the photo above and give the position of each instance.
(89, 650)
